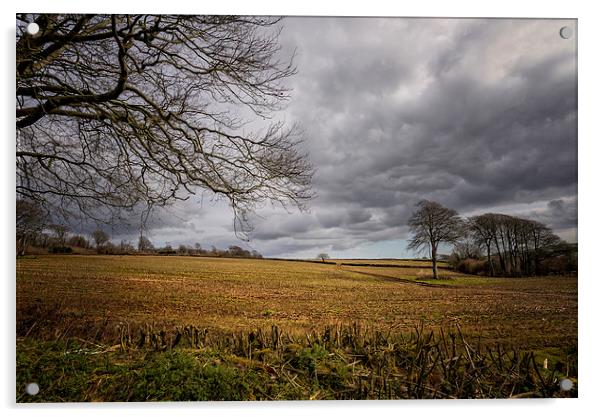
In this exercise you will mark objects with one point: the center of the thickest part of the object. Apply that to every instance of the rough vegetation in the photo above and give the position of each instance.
(341, 362)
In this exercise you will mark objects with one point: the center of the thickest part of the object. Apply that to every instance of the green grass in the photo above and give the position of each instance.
(68, 371)
(461, 280)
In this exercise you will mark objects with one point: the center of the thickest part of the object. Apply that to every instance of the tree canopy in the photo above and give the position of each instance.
(432, 224)
(119, 111)
(518, 244)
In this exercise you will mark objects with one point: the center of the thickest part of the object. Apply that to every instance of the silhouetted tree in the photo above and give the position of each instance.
(518, 245)
(323, 256)
(482, 230)
(432, 224)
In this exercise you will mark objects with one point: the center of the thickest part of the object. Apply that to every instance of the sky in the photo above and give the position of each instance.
(479, 115)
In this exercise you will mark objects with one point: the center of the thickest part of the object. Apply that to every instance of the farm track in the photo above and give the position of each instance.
(484, 291)
(389, 278)
(403, 266)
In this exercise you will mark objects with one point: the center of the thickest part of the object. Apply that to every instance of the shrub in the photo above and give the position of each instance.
(472, 266)
(60, 249)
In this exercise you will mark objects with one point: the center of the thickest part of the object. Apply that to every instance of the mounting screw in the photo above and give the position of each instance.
(33, 28)
(32, 388)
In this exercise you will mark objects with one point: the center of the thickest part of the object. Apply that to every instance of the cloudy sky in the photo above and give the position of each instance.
(477, 114)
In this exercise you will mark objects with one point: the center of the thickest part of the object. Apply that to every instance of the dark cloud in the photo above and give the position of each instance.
(558, 214)
(478, 114)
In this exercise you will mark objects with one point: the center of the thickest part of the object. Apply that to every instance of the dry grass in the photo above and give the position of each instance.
(237, 294)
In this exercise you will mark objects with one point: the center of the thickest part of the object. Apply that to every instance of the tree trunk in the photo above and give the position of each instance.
(489, 259)
(434, 259)
(21, 246)
(500, 256)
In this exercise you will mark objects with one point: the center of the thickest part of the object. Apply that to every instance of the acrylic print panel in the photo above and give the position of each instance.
(259, 208)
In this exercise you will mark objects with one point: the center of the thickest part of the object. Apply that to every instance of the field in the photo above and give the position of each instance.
(108, 301)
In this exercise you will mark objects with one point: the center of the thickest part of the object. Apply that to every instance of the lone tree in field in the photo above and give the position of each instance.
(100, 238)
(432, 224)
(323, 256)
(130, 111)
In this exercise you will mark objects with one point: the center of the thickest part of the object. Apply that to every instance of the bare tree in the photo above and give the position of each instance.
(120, 111)
(432, 224)
(126, 247)
(60, 233)
(323, 256)
(79, 241)
(482, 230)
(542, 238)
(100, 238)
(466, 248)
(145, 245)
(237, 251)
(517, 244)
(30, 221)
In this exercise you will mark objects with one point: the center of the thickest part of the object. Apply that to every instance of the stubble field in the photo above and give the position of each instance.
(239, 294)
(94, 298)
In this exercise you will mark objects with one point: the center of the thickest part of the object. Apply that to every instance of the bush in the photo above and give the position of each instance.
(472, 266)
(60, 249)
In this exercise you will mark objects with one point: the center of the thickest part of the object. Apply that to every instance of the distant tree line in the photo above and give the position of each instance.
(34, 230)
(145, 246)
(490, 244)
(512, 246)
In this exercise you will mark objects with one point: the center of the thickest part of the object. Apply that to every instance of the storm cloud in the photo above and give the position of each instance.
(477, 114)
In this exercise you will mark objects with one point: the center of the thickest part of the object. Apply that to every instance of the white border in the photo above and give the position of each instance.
(589, 188)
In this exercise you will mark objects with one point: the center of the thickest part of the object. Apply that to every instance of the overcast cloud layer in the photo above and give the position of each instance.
(479, 115)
